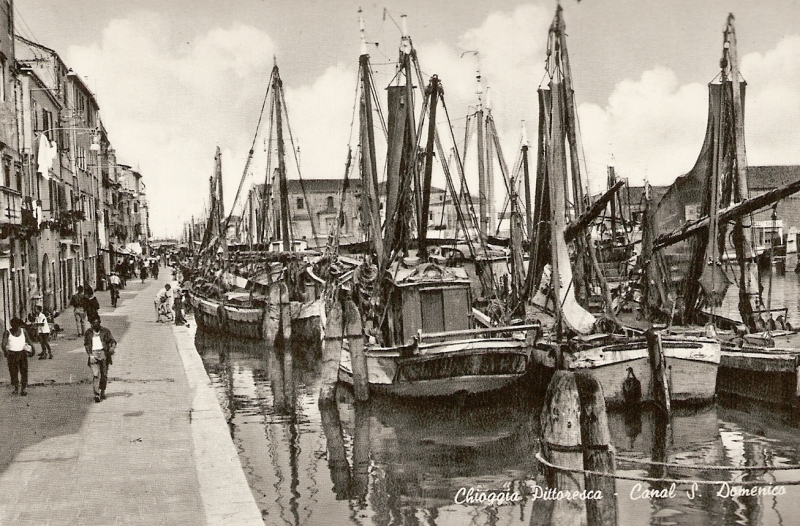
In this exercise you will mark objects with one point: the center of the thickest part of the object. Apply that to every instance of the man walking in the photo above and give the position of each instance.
(113, 285)
(43, 328)
(92, 305)
(78, 304)
(17, 348)
(99, 345)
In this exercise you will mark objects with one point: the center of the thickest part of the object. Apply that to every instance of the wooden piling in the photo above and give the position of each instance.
(598, 452)
(562, 446)
(658, 368)
(358, 358)
(331, 353)
(272, 315)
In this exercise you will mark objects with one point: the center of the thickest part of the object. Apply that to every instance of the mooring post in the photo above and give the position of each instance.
(272, 317)
(598, 452)
(658, 368)
(331, 353)
(337, 454)
(358, 358)
(561, 439)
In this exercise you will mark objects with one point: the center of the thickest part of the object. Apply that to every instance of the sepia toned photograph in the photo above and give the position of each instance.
(519, 262)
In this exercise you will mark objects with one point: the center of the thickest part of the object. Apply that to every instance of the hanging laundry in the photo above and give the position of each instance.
(46, 152)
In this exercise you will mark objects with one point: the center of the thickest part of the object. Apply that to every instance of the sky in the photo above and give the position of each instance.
(177, 78)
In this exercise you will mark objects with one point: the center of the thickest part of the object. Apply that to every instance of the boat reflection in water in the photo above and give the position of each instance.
(390, 462)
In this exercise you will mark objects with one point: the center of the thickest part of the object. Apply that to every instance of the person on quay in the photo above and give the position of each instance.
(78, 304)
(177, 307)
(99, 345)
(162, 298)
(143, 272)
(17, 348)
(114, 284)
(92, 306)
(43, 329)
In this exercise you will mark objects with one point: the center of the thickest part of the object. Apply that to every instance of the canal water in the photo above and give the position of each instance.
(387, 462)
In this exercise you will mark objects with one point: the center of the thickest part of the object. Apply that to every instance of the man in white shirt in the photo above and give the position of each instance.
(163, 298)
(114, 284)
(43, 328)
(99, 345)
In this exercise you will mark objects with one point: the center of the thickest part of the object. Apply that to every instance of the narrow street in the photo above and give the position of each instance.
(157, 451)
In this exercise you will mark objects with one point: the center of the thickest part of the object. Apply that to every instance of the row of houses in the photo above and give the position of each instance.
(67, 207)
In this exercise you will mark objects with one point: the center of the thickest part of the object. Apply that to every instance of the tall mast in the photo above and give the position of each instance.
(277, 92)
(223, 236)
(527, 181)
(409, 150)
(578, 204)
(433, 97)
(490, 151)
(482, 189)
(401, 154)
(369, 171)
(742, 228)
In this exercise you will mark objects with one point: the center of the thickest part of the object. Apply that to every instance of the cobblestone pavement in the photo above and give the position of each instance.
(157, 451)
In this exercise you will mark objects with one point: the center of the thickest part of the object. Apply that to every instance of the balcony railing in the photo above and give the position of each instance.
(10, 206)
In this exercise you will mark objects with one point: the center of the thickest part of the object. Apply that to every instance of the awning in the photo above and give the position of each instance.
(134, 248)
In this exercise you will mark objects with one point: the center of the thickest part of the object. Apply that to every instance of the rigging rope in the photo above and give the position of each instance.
(249, 157)
(299, 175)
(699, 482)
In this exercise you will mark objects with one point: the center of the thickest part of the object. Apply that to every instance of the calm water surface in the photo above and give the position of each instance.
(386, 462)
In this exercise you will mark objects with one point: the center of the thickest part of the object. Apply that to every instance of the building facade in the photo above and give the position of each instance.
(59, 186)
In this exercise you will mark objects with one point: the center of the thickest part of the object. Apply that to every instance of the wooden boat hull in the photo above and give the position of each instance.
(251, 322)
(692, 366)
(443, 369)
(766, 375)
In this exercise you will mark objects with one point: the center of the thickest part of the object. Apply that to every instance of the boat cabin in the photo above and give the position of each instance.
(429, 298)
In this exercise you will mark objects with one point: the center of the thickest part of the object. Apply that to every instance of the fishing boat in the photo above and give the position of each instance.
(246, 293)
(705, 216)
(421, 338)
(625, 361)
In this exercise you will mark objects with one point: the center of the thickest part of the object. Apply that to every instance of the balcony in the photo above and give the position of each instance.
(10, 206)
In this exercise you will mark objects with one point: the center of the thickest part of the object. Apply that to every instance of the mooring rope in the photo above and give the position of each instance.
(708, 467)
(699, 482)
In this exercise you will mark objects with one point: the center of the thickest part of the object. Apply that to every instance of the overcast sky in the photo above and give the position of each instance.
(174, 79)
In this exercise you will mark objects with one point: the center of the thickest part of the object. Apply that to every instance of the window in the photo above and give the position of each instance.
(299, 203)
(9, 17)
(47, 123)
(7, 172)
(330, 202)
(35, 116)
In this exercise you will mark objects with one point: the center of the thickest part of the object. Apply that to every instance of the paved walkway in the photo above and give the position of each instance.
(157, 451)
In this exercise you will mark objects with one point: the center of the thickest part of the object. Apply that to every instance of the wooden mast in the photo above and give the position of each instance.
(433, 97)
(527, 181)
(743, 227)
(223, 236)
(369, 171)
(277, 88)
